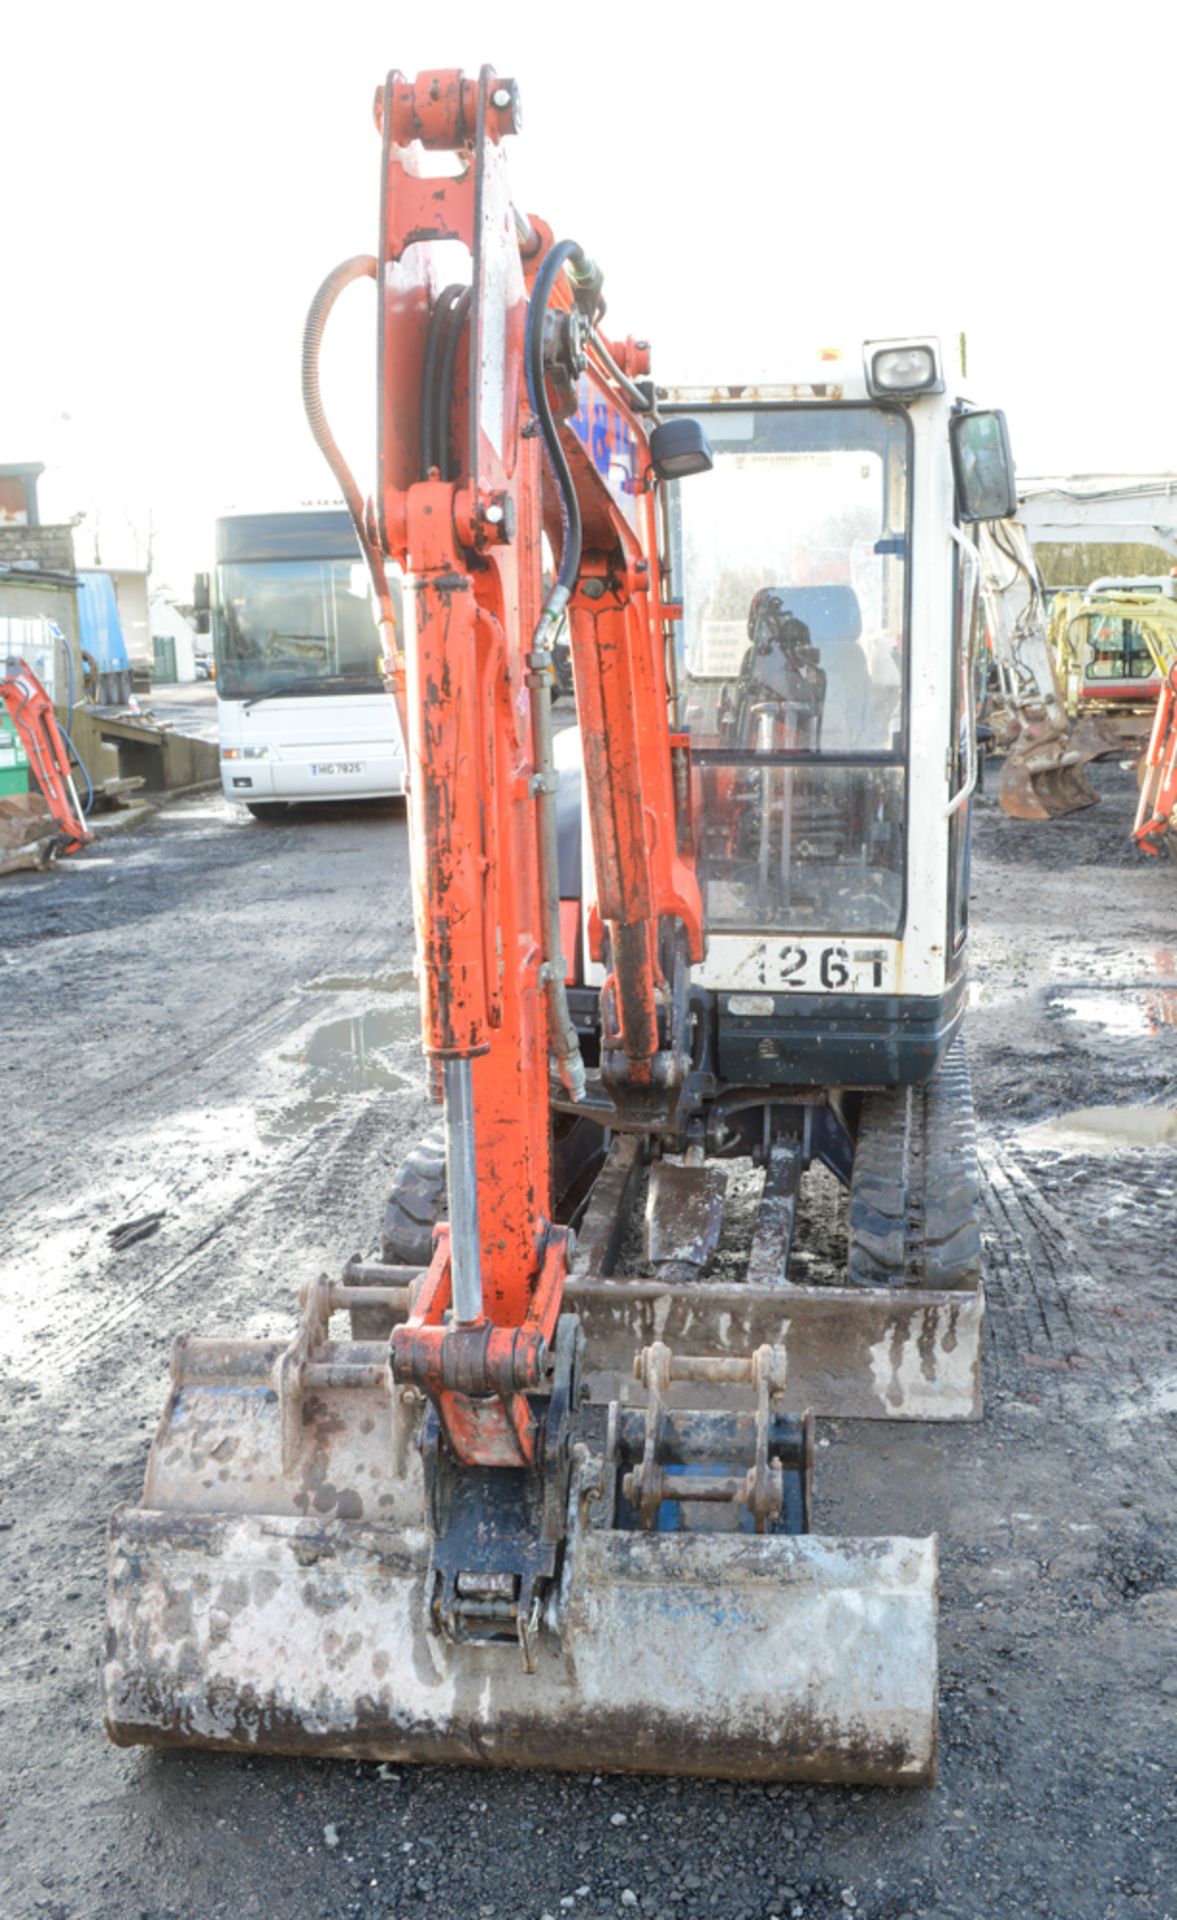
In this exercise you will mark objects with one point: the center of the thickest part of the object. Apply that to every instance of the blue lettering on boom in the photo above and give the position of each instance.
(611, 445)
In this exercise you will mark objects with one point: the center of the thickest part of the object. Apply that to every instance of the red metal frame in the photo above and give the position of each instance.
(471, 553)
(31, 712)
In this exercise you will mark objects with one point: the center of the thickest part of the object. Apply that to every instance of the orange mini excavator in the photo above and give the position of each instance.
(547, 1498)
(31, 712)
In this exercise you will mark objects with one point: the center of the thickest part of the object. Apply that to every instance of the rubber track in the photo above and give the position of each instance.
(914, 1195)
(416, 1202)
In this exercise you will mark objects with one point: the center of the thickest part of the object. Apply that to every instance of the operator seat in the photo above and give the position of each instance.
(834, 619)
(780, 665)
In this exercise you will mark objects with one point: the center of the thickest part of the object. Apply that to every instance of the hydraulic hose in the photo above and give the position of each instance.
(361, 266)
(546, 781)
(439, 322)
(456, 320)
(83, 769)
(558, 595)
(640, 402)
(69, 661)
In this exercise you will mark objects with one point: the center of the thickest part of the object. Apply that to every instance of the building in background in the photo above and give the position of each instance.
(18, 494)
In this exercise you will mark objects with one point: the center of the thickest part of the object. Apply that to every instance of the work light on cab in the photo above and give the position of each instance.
(902, 368)
(679, 448)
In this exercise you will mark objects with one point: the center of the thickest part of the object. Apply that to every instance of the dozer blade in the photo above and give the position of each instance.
(273, 1594)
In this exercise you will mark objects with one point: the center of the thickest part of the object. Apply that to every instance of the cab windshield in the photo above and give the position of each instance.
(1116, 650)
(294, 627)
(792, 560)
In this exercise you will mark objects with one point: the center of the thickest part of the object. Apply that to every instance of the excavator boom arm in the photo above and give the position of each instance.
(505, 416)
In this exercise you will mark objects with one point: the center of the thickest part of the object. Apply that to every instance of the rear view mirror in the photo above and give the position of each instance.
(983, 466)
(201, 603)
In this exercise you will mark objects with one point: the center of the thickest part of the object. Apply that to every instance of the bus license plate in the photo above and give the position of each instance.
(337, 766)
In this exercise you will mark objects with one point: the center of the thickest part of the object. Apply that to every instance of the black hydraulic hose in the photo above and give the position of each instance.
(456, 321)
(564, 251)
(439, 320)
(564, 1039)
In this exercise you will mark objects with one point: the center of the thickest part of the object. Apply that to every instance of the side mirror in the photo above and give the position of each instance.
(983, 466)
(201, 603)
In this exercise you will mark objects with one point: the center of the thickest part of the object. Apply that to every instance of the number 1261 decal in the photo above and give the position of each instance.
(828, 969)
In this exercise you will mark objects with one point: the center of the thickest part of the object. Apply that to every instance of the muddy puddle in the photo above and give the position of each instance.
(351, 1054)
(1104, 1130)
(347, 1054)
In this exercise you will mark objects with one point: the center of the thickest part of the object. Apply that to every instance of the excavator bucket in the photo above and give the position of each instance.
(1043, 776)
(1094, 738)
(278, 1591)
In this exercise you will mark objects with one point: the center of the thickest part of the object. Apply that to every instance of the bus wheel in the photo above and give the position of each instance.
(267, 811)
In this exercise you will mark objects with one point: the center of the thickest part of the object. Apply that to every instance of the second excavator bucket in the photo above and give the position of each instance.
(1043, 776)
(277, 1591)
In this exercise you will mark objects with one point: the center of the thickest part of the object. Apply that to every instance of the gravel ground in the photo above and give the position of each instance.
(216, 1019)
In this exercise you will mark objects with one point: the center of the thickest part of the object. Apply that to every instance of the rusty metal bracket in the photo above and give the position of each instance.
(761, 1488)
(313, 1361)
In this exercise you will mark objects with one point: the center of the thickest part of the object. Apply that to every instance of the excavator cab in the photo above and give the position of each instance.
(822, 651)
(552, 1501)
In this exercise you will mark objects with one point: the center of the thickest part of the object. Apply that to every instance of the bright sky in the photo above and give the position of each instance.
(756, 180)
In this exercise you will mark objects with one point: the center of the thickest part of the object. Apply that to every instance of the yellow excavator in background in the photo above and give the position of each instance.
(1046, 746)
(1113, 644)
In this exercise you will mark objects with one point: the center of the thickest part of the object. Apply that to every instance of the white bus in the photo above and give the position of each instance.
(301, 706)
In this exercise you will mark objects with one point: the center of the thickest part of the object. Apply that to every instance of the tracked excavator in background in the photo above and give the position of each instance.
(536, 1488)
(1045, 746)
(1096, 679)
(1113, 643)
(1116, 646)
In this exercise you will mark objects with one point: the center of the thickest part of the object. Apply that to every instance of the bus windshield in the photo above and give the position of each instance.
(294, 626)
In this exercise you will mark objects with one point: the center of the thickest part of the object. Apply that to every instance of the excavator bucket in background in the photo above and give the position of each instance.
(1044, 754)
(1043, 775)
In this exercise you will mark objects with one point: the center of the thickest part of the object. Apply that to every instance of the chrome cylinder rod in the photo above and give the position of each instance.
(462, 1183)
